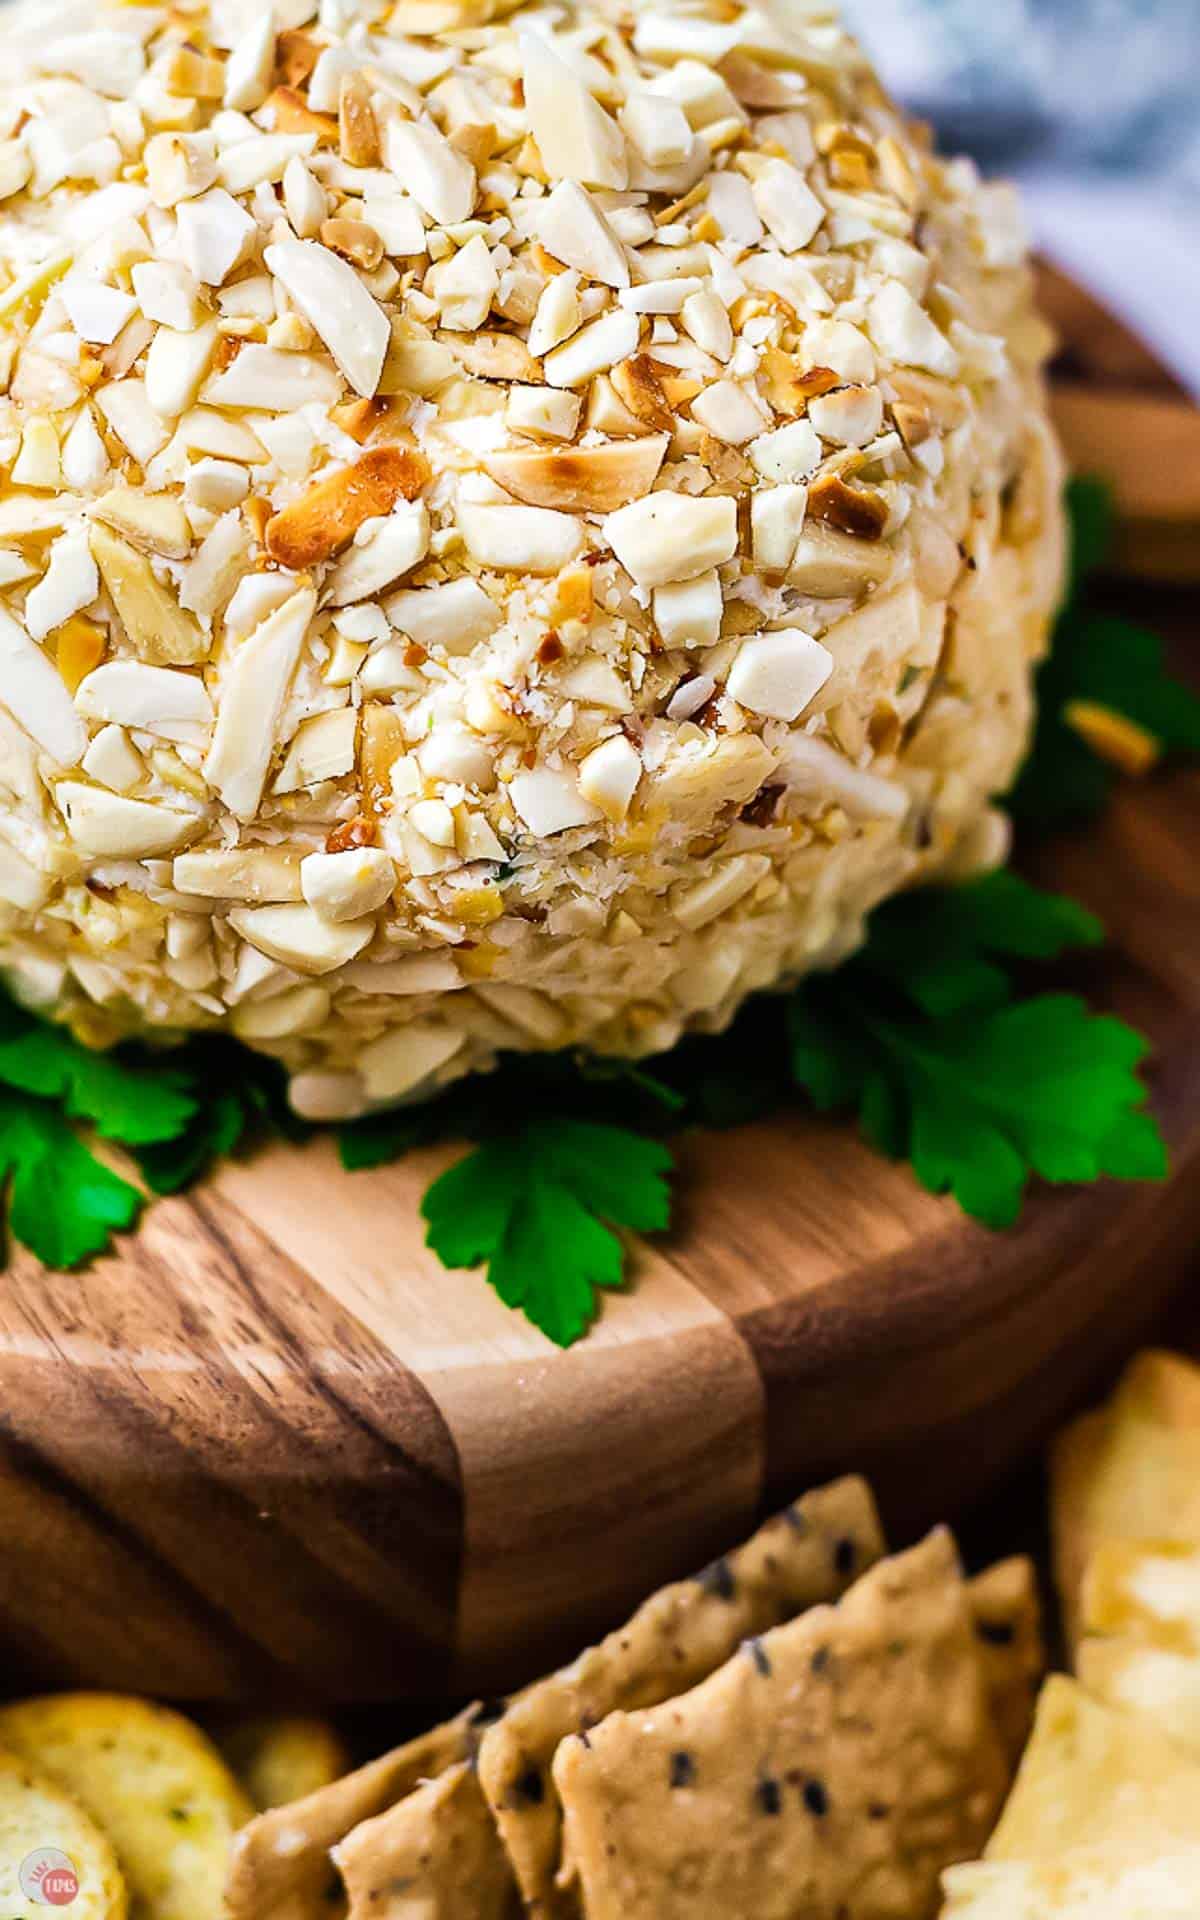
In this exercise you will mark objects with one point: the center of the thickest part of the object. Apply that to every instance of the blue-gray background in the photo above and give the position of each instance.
(1095, 106)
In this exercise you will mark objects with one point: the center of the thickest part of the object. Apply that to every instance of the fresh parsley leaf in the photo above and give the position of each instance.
(134, 1104)
(533, 1206)
(941, 946)
(64, 1205)
(1099, 661)
(924, 1035)
(238, 1096)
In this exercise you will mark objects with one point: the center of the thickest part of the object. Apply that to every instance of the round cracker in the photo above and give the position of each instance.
(153, 1782)
(37, 1816)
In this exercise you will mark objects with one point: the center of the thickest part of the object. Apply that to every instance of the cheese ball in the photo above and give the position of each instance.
(520, 528)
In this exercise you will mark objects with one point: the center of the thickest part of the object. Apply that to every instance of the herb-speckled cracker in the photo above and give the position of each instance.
(435, 1854)
(836, 1766)
(809, 1554)
(1008, 1627)
(280, 1867)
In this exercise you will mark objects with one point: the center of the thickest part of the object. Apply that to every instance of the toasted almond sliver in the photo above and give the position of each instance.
(358, 130)
(852, 510)
(325, 519)
(640, 387)
(584, 479)
(155, 522)
(493, 356)
(289, 112)
(160, 632)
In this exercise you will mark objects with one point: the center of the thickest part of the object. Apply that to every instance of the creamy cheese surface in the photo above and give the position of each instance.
(520, 525)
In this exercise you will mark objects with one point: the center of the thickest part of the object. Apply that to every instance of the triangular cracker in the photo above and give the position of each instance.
(1007, 1617)
(835, 1766)
(1105, 1782)
(280, 1868)
(811, 1553)
(435, 1854)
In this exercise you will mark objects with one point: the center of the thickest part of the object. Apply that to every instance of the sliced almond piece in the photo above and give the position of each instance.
(325, 519)
(298, 937)
(155, 522)
(256, 875)
(109, 825)
(584, 479)
(253, 693)
(34, 694)
(358, 131)
(159, 631)
(381, 743)
(639, 386)
(289, 112)
(575, 136)
(851, 510)
(493, 356)
(334, 300)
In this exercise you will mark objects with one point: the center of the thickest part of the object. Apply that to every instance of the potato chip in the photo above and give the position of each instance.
(281, 1759)
(1147, 1590)
(52, 1852)
(1135, 1678)
(1097, 1780)
(1078, 1888)
(154, 1783)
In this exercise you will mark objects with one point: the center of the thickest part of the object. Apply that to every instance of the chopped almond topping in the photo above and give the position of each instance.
(355, 241)
(359, 832)
(79, 647)
(851, 510)
(493, 356)
(323, 521)
(580, 479)
(640, 388)
(381, 743)
(290, 112)
(790, 385)
(297, 53)
(358, 130)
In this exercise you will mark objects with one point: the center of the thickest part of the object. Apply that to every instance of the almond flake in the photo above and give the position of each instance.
(255, 875)
(779, 674)
(545, 413)
(250, 65)
(176, 366)
(167, 293)
(853, 510)
(70, 583)
(457, 616)
(34, 694)
(275, 381)
(638, 385)
(594, 349)
(323, 749)
(253, 691)
(287, 111)
(345, 886)
(159, 700)
(397, 545)
(355, 241)
(905, 333)
(550, 801)
(330, 294)
(493, 356)
(572, 229)
(581, 480)
(575, 137)
(108, 825)
(671, 536)
(96, 312)
(297, 937)
(441, 181)
(158, 629)
(358, 132)
(215, 235)
(323, 521)
(608, 777)
(520, 539)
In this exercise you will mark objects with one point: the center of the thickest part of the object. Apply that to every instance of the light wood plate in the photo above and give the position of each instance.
(271, 1447)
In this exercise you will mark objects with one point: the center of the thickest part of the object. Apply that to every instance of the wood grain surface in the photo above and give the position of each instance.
(272, 1448)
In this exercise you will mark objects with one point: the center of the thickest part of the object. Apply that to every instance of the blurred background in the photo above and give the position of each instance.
(1095, 106)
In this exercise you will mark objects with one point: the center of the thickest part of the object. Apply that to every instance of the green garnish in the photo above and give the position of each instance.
(929, 1034)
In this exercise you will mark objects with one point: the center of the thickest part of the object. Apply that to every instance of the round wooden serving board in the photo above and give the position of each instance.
(271, 1447)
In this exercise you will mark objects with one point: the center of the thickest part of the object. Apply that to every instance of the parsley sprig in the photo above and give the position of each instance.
(932, 1035)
